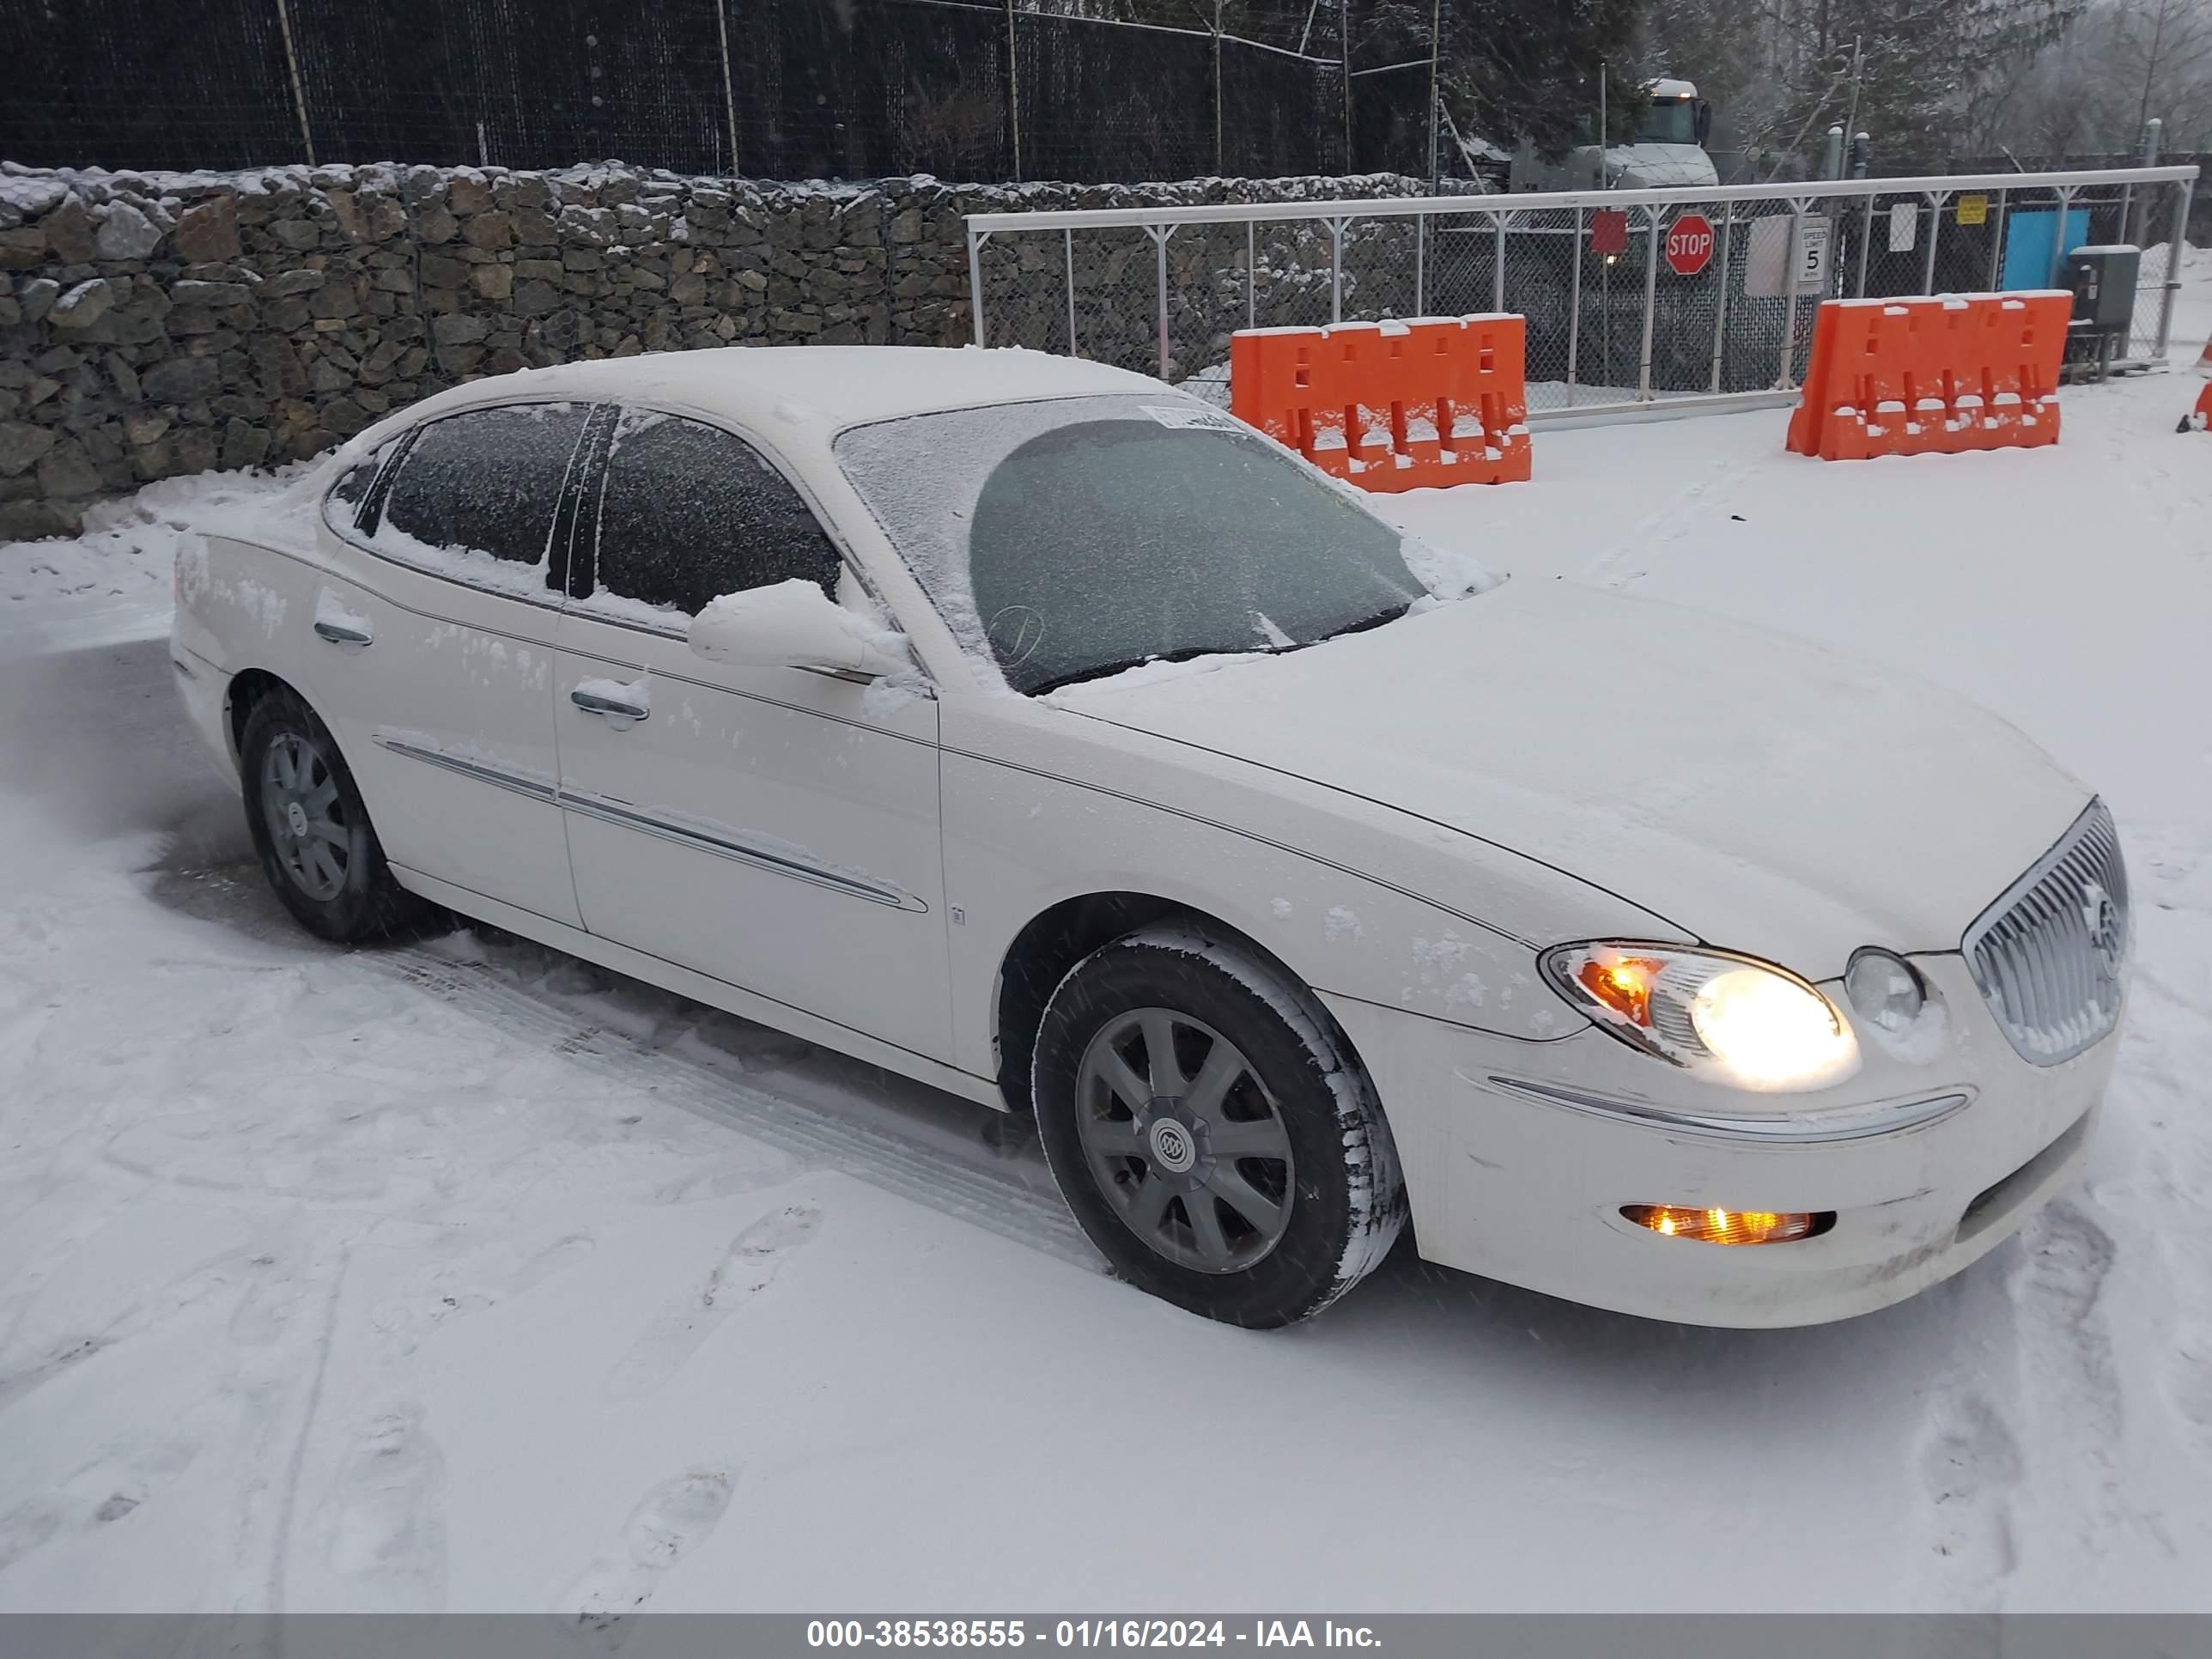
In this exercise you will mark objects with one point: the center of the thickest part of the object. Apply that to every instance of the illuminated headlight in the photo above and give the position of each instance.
(1728, 1018)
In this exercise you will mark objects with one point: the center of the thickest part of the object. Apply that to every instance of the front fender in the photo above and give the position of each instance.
(1358, 900)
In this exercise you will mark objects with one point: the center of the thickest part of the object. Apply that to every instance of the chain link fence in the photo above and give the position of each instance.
(1631, 297)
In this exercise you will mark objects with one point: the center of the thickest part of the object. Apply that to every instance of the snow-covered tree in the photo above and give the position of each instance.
(1512, 68)
(1922, 76)
(2090, 93)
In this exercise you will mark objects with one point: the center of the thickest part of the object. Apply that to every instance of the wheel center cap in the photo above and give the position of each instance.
(1173, 1149)
(296, 815)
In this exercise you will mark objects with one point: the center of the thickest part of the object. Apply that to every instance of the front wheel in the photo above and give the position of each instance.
(317, 846)
(1210, 1131)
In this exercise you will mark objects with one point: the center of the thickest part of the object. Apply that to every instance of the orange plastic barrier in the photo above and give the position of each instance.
(1391, 406)
(2198, 419)
(1936, 375)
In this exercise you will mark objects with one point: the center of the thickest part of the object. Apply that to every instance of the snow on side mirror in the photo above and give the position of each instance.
(793, 624)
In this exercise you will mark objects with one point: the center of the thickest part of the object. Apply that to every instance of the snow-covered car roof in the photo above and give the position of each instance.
(832, 386)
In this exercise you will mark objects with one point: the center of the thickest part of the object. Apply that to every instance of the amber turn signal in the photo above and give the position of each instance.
(1622, 984)
(1729, 1226)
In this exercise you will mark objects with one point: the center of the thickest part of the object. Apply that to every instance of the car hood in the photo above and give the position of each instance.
(1652, 166)
(1760, 792)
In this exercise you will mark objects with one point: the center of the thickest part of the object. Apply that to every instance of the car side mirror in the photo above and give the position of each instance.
(1704, 122)
(793, 624)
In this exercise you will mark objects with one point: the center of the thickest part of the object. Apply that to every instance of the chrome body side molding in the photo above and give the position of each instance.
(722, 844)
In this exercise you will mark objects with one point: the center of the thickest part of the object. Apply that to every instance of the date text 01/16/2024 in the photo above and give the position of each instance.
(1086, 1633)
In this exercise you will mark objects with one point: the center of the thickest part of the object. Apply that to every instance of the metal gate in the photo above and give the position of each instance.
(1696, 298)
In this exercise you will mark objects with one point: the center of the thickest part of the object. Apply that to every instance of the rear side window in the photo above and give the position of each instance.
(690, 513)
(475, 495)
(341, 507)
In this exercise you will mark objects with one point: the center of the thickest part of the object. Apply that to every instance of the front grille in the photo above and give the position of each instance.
(2051, 955)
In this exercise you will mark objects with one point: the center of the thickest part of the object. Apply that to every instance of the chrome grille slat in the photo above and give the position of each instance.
(2054, 986)
(2053, 1008)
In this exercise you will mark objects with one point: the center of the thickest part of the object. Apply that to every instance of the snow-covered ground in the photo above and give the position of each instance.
(465, 1276)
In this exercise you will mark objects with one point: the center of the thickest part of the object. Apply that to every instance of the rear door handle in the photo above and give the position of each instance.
(623, 714)
(338, 634)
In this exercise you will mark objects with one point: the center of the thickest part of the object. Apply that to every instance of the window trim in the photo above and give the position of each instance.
(575, 566)
(767, 452)
(371, 503)
(402, 444)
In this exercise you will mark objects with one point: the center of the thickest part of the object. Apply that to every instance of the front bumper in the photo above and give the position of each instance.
(1514, 1182)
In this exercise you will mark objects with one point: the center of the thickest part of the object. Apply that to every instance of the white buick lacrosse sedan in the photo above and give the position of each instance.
(1027, 727)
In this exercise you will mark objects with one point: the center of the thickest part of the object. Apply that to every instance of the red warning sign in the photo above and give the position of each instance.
(1689, 244)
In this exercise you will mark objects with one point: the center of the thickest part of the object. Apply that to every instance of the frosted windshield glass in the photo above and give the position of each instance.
(1069, 539)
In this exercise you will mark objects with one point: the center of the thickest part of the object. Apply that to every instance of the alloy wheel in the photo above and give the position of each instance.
(305, 815)
(1184, 1140)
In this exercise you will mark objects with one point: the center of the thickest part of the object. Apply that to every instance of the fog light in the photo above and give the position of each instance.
(1729, 1226)
(1884, 989)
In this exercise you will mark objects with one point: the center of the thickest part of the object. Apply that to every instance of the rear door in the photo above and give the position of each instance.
(436, 647)
(775, 829)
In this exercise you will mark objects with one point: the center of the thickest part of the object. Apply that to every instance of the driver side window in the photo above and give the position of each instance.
(690, 513)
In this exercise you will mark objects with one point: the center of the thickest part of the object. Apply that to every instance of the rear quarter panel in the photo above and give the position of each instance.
(242, 604)
(248, 592)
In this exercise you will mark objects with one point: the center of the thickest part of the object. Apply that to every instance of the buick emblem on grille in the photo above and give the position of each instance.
(2104, 929)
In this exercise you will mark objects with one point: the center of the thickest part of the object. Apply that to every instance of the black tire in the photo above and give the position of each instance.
(363, 901)
(1342, 1200)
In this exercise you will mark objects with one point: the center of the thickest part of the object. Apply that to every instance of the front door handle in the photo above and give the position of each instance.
(339, 634)
(618, 713)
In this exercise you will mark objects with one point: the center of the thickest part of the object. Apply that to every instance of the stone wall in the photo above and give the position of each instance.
(152, 325)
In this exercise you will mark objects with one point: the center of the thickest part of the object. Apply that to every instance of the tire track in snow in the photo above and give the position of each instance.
(279, 1552)
(986, 1191)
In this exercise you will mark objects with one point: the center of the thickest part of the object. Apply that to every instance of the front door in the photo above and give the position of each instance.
(775, 829)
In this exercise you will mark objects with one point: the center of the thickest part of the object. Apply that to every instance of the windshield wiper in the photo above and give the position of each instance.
(1122, 666)
(1366, 622)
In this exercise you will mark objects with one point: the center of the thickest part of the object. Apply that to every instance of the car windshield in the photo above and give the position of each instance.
(1669, 121)
(1071, 539)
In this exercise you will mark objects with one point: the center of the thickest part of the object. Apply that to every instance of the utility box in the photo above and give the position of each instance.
(2103, 279)
(2104, 283)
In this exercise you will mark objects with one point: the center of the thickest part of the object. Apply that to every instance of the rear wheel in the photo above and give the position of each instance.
(1210, 1132)
(317, 846)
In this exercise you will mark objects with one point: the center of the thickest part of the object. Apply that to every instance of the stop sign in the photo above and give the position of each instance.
(1689, 244)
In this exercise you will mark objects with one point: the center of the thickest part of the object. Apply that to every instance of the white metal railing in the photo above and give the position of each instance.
(1070, 280)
